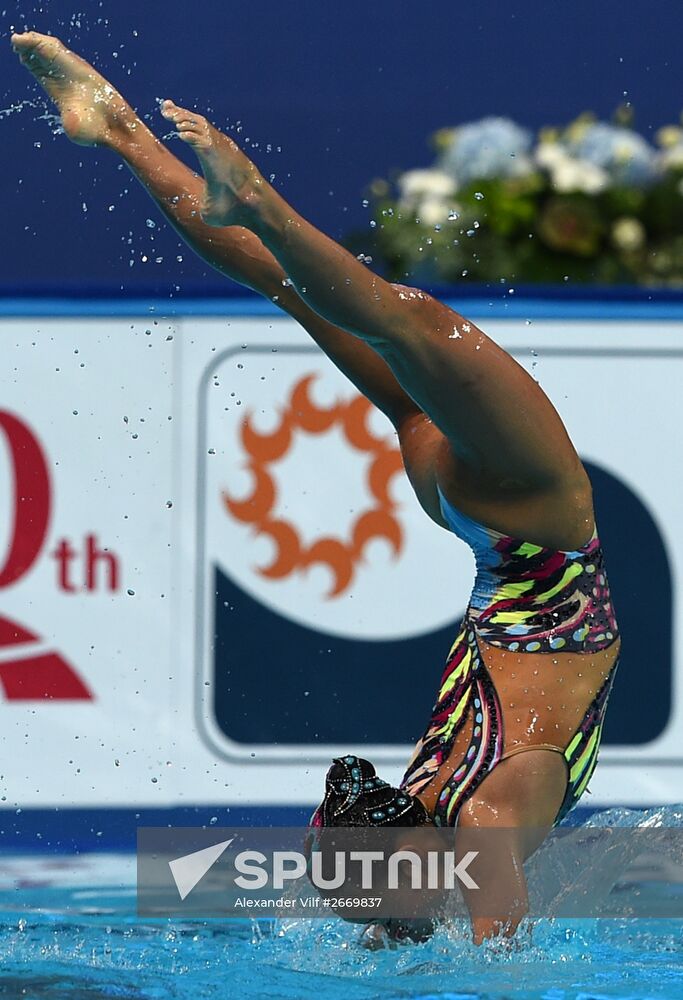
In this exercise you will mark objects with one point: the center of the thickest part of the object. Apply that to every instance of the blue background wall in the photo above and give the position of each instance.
(349, 91)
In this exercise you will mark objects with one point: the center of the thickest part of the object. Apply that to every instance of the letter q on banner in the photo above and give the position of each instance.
(28, 670)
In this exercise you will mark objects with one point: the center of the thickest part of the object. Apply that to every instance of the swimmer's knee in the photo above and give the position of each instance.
(425, 311)
(524, 790)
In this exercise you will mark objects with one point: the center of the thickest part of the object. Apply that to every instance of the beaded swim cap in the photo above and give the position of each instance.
(355, 796)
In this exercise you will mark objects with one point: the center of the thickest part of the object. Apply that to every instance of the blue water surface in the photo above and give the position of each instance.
(69, 933)
(63, 953)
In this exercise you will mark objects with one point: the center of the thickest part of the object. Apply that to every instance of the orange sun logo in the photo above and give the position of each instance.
(265, 450)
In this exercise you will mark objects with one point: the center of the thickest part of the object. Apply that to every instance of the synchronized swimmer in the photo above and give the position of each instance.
(515, 731)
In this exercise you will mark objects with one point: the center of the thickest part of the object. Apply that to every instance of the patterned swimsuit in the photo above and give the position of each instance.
(526, 599)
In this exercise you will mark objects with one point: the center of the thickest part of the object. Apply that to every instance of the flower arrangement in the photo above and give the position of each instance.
(592, 202)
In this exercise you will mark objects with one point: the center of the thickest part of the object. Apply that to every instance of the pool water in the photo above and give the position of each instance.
(71, 950)
(68, 932)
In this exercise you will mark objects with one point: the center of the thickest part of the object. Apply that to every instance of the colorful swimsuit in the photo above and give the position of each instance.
(526, 599)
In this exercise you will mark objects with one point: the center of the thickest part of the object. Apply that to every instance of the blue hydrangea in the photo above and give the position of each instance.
(492, 147)
(625, 155)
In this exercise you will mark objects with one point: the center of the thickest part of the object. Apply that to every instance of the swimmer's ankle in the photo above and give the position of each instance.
(124, 129)
(268, 215)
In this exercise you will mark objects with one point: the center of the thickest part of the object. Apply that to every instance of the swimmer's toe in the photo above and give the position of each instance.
(191, 127)
(21, 41)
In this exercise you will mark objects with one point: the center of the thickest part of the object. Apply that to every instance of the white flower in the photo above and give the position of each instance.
(417, 184)
(568, 173)
(428, 194)
(628, 233)
(432, 211)
(550, 155)
(579, 175)
(672, 158)
(669, 135)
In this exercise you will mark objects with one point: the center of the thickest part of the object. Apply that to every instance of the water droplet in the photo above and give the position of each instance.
(478, 195)
(150, 223)
(131, 593)
(212, 451)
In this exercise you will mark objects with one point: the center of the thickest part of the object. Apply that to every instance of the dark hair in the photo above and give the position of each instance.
(355, 796)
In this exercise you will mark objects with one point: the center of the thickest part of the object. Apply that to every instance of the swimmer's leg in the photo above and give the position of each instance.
(495, 417)
(519, 801)
(94, 113)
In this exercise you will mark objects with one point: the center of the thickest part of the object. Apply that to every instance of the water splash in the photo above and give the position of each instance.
(82, 940)
(20, 106)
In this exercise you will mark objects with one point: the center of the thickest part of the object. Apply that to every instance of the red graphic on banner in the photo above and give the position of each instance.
(265, 450)
(35, 676)
(29, 674)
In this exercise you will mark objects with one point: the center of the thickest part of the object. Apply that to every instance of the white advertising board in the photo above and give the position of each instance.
(215, 576)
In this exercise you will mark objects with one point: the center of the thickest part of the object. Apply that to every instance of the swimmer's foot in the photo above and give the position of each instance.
(92, 112)
(232, 180)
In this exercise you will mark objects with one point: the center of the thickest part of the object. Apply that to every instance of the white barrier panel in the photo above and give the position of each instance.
(215, 576)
